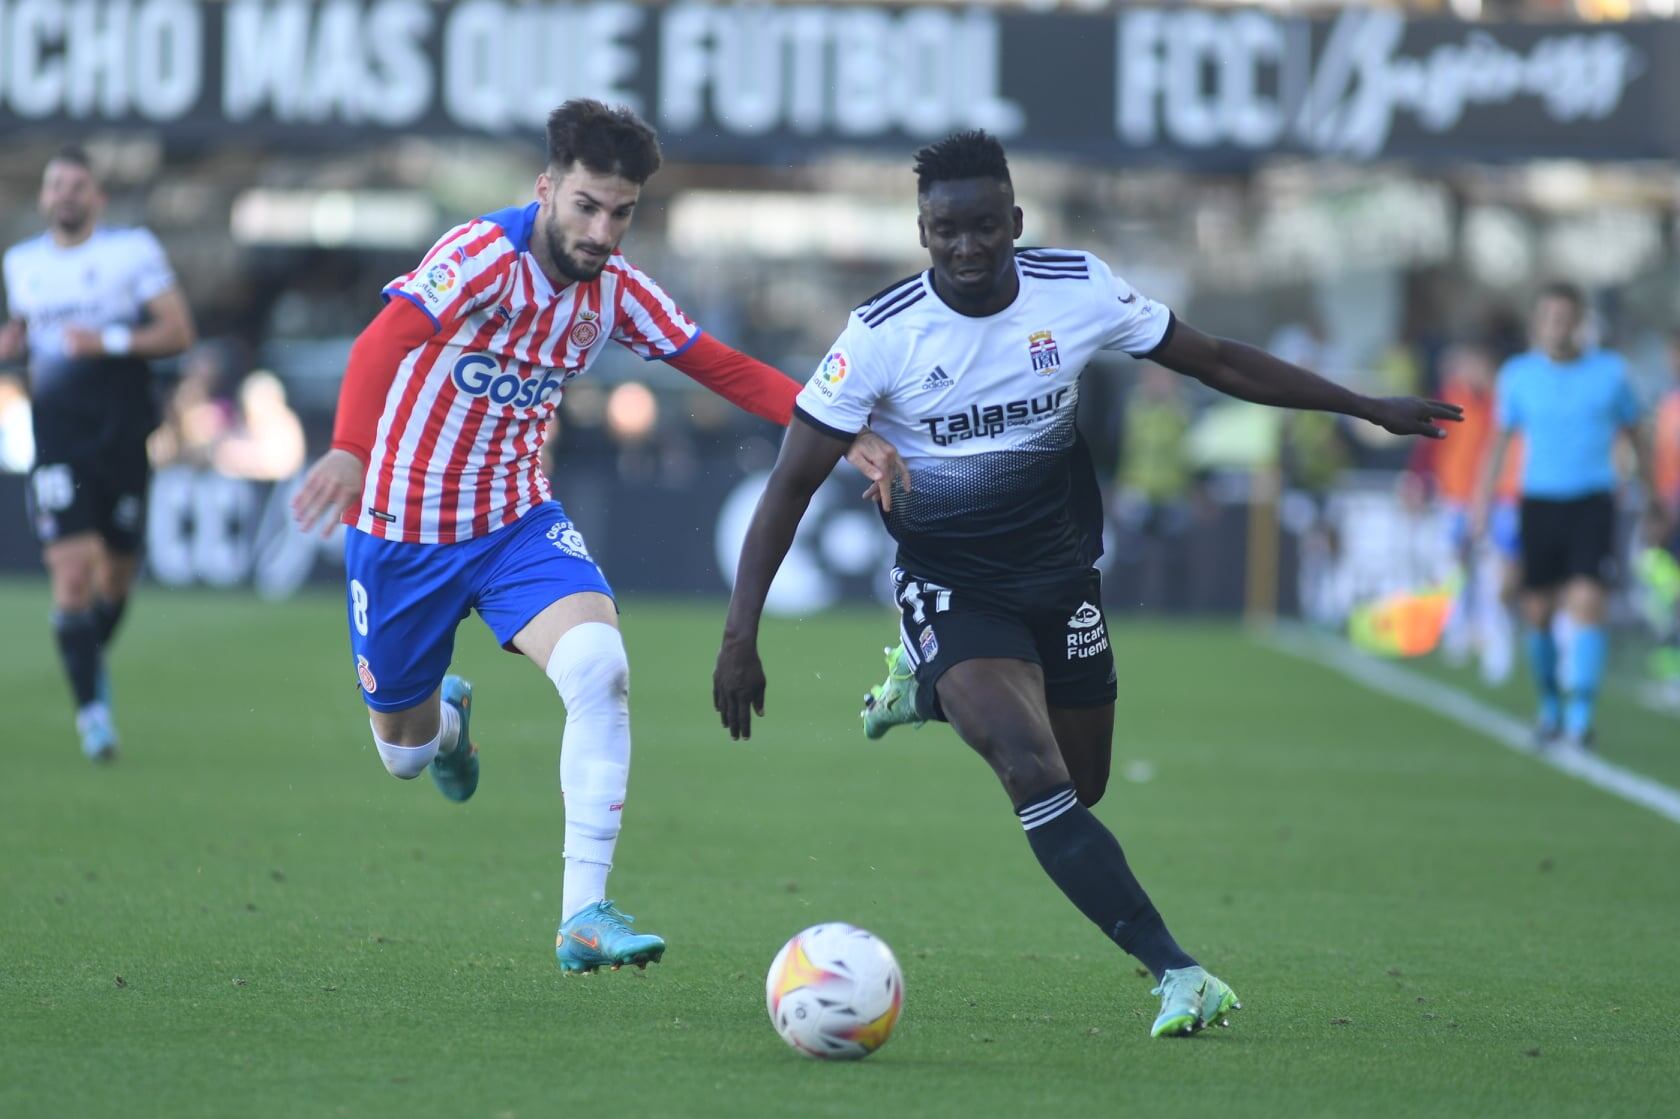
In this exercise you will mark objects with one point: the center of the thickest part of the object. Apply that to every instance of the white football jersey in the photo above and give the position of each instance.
(106, 280)
(982, 410)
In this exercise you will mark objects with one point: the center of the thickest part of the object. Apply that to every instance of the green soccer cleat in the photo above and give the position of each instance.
(893, 703)
(1190, 1000)
(600, 936)
(456, 773)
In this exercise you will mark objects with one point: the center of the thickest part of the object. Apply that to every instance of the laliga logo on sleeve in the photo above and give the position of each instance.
(481, 375)
(830, 373)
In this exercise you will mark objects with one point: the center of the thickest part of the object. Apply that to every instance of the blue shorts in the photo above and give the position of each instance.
(405, 600)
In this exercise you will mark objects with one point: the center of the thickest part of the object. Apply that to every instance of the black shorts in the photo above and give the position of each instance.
(1570, 539)
(98, 489)
(1058, 626)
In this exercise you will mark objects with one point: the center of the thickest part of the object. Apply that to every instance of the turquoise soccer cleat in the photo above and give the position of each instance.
(893, 703)
(99, 735)
(1190, 1000)
(600, 936)
(456, 773)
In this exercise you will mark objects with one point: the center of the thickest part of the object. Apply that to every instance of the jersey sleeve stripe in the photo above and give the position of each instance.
(1166, 336)
(826, 429)
(396, 292)
(682, 349)
(647, 325)
(876, 318)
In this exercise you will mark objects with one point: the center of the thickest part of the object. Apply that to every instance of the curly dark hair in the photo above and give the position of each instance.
(608, 141)
(973, 154)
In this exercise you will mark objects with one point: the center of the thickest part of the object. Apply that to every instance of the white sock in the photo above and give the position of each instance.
(589, 670)
(585, 883)
(406, 762)
(449, 729)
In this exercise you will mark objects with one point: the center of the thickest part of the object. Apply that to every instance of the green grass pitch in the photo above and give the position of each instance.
(247, 917)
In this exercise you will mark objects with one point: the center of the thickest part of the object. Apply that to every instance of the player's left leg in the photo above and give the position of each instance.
(1591, 568)
(545, 597)
(1086, 738)
(71, 564)
(1589, 642)
(1070, 632)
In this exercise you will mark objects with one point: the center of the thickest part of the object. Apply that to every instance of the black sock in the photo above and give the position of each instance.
(109, 614)
(1084, 859)
(78, 647)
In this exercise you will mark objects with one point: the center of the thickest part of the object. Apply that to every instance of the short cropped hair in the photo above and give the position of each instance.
(608, 141)
(973, 154)
(75, 155)
(1563, 289)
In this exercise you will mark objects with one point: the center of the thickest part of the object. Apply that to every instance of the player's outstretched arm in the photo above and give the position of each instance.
(807, 458)
(755, 387)
(1250, 373)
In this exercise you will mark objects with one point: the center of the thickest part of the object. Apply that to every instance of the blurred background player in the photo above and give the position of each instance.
(1660, 560)
(972, 369)
(1480, 620)
(435, 468)
(1569, 402)
(90, 306)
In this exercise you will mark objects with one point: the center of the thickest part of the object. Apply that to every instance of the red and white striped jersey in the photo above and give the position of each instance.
(455, 450)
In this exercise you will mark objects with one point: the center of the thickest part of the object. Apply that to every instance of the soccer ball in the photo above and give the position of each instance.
(834, 992)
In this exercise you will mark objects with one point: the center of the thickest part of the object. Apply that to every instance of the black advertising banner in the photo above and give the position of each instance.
(767, 84)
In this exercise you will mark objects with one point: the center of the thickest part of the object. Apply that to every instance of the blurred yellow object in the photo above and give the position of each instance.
(1408, 624)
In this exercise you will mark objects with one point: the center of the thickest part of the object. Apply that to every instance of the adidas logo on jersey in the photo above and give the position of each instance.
(937, 380)
(992, 420)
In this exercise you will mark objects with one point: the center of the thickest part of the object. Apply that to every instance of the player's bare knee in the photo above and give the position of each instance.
(1090, 785)
(1026, 772)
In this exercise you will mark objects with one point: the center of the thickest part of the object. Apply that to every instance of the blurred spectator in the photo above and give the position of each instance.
(1154, 482)
(1315, 453)
(1480, 621)
(265, 441)
(1665, 437)
(17, 433)
(197, 413)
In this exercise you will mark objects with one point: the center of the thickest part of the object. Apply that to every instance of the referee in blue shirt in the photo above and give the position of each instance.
(1569, 403)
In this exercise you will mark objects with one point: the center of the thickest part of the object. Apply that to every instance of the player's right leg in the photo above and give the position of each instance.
(62, 509)
(543, 596)
(997, 706)
(71, 563)
(403, 602)
(1545, 548)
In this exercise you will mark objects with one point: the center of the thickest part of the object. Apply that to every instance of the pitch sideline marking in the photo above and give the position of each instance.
(1401, 683)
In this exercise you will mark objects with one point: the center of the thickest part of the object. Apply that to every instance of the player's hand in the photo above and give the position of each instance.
(332, 484)
(738, 686)
(1411, 415)
(879, 461)
(14, 340)
(79, 341)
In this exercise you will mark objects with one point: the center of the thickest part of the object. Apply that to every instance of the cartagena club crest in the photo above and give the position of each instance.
(1041, 347)
(365, 675)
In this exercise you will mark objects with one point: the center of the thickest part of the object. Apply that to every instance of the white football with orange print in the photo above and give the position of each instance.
(835, 992)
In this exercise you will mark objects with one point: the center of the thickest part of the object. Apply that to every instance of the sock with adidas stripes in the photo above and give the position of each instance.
(1084, 859)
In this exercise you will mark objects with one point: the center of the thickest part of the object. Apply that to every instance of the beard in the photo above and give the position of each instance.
(69, 219)
(569, 266)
